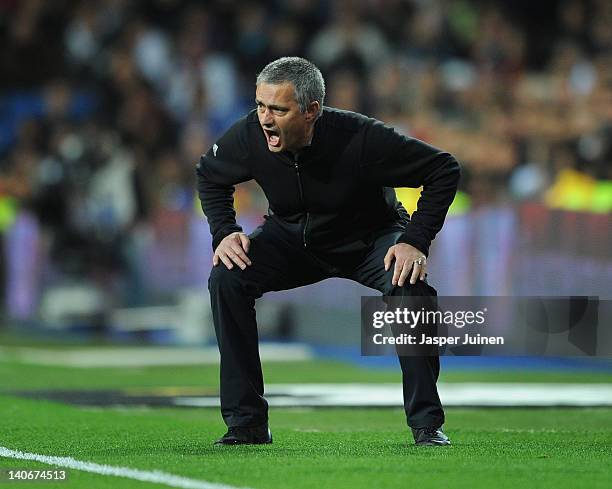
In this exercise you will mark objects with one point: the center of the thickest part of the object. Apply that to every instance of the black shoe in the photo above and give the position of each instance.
(241, 435)
(430, 436)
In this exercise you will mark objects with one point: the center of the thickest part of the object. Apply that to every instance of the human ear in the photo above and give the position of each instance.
(312, 111)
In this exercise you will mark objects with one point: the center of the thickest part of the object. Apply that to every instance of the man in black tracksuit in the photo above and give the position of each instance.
(328, 176)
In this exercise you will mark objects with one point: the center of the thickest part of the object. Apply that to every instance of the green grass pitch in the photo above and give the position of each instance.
(313, 448)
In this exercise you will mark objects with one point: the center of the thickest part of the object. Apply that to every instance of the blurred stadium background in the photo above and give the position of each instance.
(105, 108)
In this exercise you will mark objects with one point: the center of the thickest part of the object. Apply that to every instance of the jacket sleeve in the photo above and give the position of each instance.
(223, 166)
(393, 160)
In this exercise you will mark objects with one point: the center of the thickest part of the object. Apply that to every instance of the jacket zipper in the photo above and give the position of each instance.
(299, 179)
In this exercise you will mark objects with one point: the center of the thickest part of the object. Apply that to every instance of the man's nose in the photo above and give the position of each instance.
(266, 118)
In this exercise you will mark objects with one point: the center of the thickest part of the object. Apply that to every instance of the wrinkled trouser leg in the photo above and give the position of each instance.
(277, 264)
(419, 373)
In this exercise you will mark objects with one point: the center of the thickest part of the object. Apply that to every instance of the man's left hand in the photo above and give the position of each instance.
(407, 258)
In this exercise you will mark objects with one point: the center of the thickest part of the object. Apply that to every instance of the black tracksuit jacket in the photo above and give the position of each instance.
(336, 194)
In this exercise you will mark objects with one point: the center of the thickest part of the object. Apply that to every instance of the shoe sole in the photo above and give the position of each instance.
(242, 443)
(432, 444)
(238, 442)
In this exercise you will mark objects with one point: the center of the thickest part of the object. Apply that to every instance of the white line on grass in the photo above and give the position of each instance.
(452, 394)
(141, 475)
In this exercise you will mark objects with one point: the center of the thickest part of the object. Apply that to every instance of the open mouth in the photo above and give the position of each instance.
(273, 137)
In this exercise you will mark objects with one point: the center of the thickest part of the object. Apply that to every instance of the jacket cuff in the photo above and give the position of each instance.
(413, 236)
(222, 233)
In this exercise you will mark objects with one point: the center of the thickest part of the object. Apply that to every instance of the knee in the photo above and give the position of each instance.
(420, 288)
(222, 278)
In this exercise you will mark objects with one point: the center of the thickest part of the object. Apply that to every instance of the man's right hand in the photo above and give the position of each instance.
(233, 249)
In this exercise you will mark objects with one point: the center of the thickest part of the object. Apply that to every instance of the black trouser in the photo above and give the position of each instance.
(280, 262)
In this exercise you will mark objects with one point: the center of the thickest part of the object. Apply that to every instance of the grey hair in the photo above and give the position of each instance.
(304, 75)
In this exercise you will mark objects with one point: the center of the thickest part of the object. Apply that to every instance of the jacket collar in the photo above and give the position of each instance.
(316, 148)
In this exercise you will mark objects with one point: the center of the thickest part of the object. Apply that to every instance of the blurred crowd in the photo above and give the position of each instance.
(106, 105)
